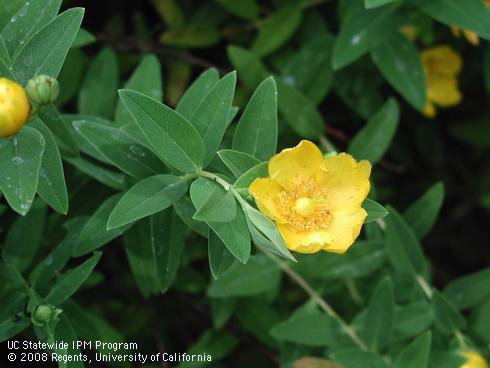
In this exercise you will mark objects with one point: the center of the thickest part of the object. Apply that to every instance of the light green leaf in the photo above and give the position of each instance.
(354, 358)
(422, 214)
(256, 132)
(259, 275)
(197, 92)
(219, 207)
(238, 162)
(20, 163)
(468, 291)
(374, 210)
(376, 331)
(446, 317)
(470, 14)
(185, 210)
(212, 115)
(149, 196)
(83, 38)
(32, 16)
(277, 30)
(97, 95)
(399, 62)
(170, 134)
(21, 245)
(374, 139)
(146, 79)
(56, 124)
(404, 249)
(45, 52)
(52, 186)
(235, 233)
(119, 148)
(258, 171)
(71, 281)
(361, 31)
(416, 354)
(95, 234)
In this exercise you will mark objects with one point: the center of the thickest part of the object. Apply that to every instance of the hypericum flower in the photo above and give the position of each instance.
(315, 202)
(474, 360)
(441, 67)
(14, 107)
(470, 36)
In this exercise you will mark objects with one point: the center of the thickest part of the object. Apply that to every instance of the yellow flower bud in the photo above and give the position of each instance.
(14, 107)
(474, 360)
(314, 201)
(43, 89)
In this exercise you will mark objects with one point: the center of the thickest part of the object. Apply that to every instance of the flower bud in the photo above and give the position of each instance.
(43, 89)
(14, 107)
(44, 314)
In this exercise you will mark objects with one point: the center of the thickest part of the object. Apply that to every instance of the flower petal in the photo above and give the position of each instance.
(443, 91)
(295, 164)
(265, 192)
(441, 60)
(344, 228)
(346, 181)
(429, 109)
(303, 241)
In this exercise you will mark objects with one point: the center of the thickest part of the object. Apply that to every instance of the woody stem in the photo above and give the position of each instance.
(296, 277)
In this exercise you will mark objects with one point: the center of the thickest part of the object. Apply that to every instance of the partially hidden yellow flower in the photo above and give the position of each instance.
(470, 36)
(14, 107)
(474, 360)
(315, 202)
(442, 66)
(409, 31)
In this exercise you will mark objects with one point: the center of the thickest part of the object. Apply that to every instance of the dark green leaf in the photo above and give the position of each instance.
(354, 358)
(374, 210)
(446, 317)
(468, 291)
(415, 355)
(220, 258)
(237, 162)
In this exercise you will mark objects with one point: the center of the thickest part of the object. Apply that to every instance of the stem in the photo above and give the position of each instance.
(329, 147)
(424, 286)
(353, 291)
(316, 298)
(216, 178)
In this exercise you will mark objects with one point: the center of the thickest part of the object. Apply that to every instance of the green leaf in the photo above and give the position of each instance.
(312, 329)
(370, 4)
(146, 79)
(217, 344)
(404, 249)
(95, 234)
(8, 10)
(119, 148)
(246, 9)
(52, 118)
(277, 30)
(416, 354)
(24, 238)
(64, 332)
(12, 327)
(259, 275)
(235, 233)
(470, 290)
(377, 329)
(112, 179)
(354, 358)
(71, 281)
(256, 132)
(446, 317)
(212, 115)
(154, 248)
(149, 196)
(443, 359)
(98, 93)
(32, 16)
(191, 36)
(422, 214)
(220, 258)
(470, 14)
(310, 70)
(361, 31)
(197, 92)
(20, 163)
(374, 210)
(411, 320)
(45, 52)
(170, 134)
(219, 207)
(258, 171)
(52, 186)
(374, 139)
(248, 65)
(262, 227)
(238, 162)
(4, 54)
(363, 258)
(399, 62)
(185, 210)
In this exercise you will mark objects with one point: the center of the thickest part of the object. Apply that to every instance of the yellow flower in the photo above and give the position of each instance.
(315, 202)
(470, 36)
(441, 67)
(14, 107)
(474, 360)
(409, 31)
